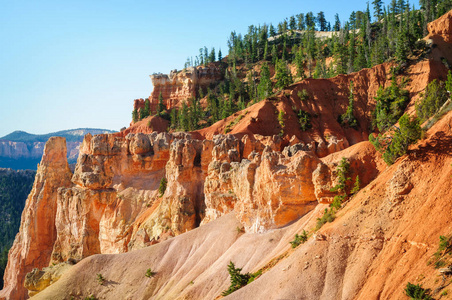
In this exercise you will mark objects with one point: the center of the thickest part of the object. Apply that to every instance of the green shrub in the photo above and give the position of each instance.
(342, 172)
(281, 122)
(304, 118)
(395, 143)
(434, 97)
(303, 95)
(254, 276)
(299, 239)
(238, 279)
(356, 186)
(162, 186)
(149, 273)
(91, 297)
(328, 216)
(391, 102)
(100, 279)
(347, 118)
(415, 291)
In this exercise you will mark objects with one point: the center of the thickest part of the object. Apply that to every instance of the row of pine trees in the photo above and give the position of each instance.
(364, 40)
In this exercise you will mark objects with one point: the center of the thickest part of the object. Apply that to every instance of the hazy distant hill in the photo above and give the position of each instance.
(23, 150)
(71, 135)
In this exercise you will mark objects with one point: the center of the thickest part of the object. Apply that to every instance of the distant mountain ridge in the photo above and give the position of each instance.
(71, 135)
(23, 150)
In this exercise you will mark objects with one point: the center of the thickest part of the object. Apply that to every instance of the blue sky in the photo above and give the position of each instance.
(71, 64)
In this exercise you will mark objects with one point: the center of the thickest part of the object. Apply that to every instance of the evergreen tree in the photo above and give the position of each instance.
(206, 56)
(283, 76)
(274, 54)
(160, 107)
(174, 119)
(135, 115)
(264, 88)
(212, 55)
(201, 56)
(292, 23)
(337, 23)
(300, 22)
(265, 56)
(299, 62)
(310, 20)
(183, 117)
(238, 279)
(321, 21)
(220, 56)
(272, 30)
(348, 117)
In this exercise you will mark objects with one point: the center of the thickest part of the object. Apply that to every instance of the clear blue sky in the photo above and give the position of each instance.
(71, 64)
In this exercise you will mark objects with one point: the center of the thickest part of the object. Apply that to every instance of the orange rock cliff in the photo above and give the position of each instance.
(240, 197)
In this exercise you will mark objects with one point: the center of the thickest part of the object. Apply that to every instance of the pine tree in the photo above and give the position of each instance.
(274, 54)
(135, 115)
(220, 56)
(348, 118)
(321, 21)
(183, 117)
(238, 279)
(337, 23)
(283, 75)
(378, 13)
(174, 119)
(264, 88)
(212, 55)
(160, 107)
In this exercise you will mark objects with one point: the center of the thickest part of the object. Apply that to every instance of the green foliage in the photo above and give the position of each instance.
(91, 297)
(254, 276)
(328, 216)
(337, 201)
(160, 107)
(135, 115)
(264, 89)
(356, 186)
(149, 273)
(100, 279)
(445, 244)
(146, 112)
(408, 133)
(283, 76)
(448, 83)
(391, 102)
(303, 95)
(281, 122)
(228, 128)
(238, 279)
(434, 97)
(342, 178)
(304, 118)
(299, 239)
(14, 189)
(348, 118)
(415, 291)
(162, 186)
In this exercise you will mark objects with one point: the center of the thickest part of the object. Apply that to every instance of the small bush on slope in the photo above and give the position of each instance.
(415, 291)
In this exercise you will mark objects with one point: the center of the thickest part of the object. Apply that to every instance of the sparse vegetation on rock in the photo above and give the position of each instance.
(299, 239)
(149, 273)
(416, 292)
(100, 279)
(162, 186)
(238, 279)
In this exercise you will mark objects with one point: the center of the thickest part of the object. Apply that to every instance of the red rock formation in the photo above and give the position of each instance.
(34, 242)
(179, 86)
